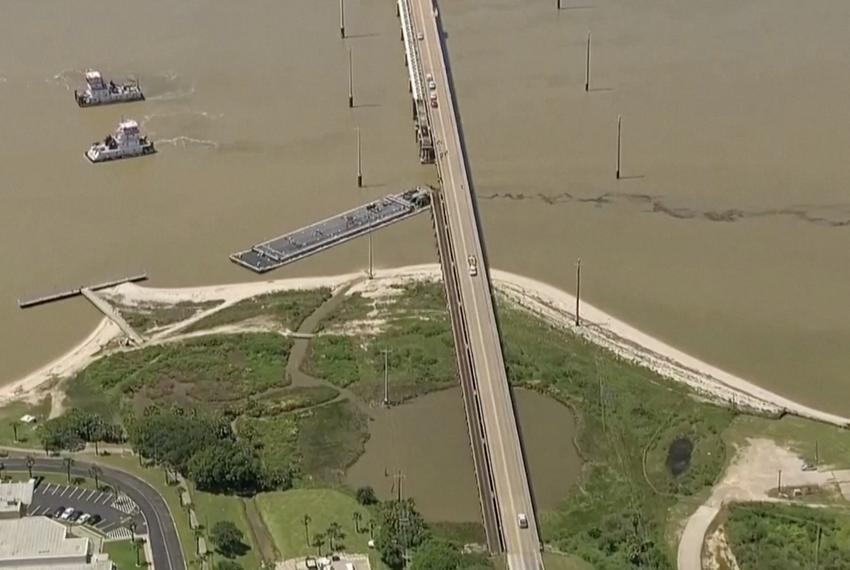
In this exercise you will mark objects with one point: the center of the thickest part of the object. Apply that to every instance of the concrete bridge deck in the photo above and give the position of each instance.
(473, 302)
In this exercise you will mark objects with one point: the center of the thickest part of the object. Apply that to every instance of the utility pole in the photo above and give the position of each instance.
(370, 274)
(601, 392)
(619, 143)
(341, 19)
(779, 483)
(386, 377)
(817, 453)
(359, 168)
(817, 549)
(587, 65)
(350, 82)
(578, 291)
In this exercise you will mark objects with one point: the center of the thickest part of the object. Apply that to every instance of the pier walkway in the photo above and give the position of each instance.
(333, 231)
(112, 314)
(78, 291)
(468, 289)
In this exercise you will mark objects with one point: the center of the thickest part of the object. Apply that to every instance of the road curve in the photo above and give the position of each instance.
(162, 532)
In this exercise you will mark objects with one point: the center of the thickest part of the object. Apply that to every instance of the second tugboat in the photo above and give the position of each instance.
(127, 142)
(99, 92)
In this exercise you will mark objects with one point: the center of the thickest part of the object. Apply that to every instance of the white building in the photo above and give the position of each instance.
(40, 543)
(14, 499)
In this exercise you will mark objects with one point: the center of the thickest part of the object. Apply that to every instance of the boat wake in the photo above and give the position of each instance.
(67, 79)
(188, 142)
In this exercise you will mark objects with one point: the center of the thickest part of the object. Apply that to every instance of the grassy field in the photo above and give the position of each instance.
(416, 333)
(12, 412)
(801, 435)
(211, 509)
(123, 554)
(284, 512)
(286, 309)
(766, 536)
(213, 371)
(149, 316)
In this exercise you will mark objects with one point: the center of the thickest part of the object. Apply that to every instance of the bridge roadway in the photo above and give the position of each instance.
(513, 496)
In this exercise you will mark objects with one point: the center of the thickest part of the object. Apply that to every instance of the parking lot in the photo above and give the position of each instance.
(116, 512)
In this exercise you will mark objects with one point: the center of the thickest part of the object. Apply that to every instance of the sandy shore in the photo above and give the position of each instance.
(551, 303)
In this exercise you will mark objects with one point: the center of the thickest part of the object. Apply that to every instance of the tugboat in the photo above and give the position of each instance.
(127, 142)
(99, 92)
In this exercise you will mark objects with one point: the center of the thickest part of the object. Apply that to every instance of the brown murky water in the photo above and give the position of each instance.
(728, 236)
(434, 427)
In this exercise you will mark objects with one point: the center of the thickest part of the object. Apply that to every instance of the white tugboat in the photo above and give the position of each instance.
(127, 142)
(99, 92)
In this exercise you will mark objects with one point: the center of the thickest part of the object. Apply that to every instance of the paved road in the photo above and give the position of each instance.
(500, 427)
(162, 534)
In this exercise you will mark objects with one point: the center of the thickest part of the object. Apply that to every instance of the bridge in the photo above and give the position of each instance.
(497, 451)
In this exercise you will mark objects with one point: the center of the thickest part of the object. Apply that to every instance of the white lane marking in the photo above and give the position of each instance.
(90, 495)
(488, 388)
(64, 490)
(55, 489)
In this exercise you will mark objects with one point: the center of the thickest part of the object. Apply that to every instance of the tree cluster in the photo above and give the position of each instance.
(436, 554)
(203, 448)
(228, 539)
(401, 529)
(73, 430)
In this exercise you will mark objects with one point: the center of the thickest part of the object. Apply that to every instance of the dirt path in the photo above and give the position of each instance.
(751, 476)
(301, 346)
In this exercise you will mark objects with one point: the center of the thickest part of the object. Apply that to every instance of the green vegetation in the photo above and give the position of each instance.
(330, 439)
(73, 430)
(803, 436)
(214, 509)
(212, 371)
(284, 514)
(769, 536)
(11, 424)
(288, 309)
(228, 539)
(123, 554)
(626, 413)
(400, 528)
(147, 316)
(435, 554)
(416, 334)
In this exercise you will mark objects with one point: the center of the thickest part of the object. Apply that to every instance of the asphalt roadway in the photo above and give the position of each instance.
(162, 533)
(513, 494)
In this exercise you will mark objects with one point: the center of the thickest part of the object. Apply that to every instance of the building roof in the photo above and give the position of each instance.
(16, 492)
(35, 542)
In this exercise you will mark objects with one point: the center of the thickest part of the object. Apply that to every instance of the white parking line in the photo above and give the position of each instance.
(73, 492)
(104, 529)
(43, 489)
(55, 489)
(90, 495)
(35, 511)
(106, 498)
(65, 489)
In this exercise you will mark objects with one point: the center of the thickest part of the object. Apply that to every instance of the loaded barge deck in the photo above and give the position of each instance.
(333, 231)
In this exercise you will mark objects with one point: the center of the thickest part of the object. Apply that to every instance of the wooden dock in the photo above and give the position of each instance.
(112, 314)
(79, 291)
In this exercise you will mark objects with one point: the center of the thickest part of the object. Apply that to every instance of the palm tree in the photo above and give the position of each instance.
(15, 430)
(357, 518)
(334, 532)
(68, 462)
(307, 520)
(371, 529)
(137, 543)
(95, 472)
(318, 542)
(30, 464)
